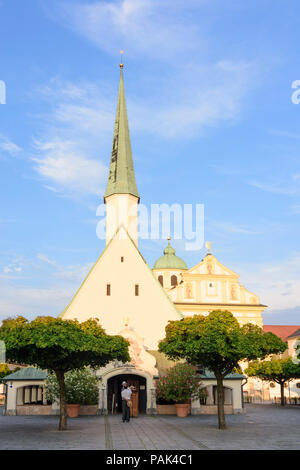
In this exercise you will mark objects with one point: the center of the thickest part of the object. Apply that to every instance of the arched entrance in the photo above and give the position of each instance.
(123, 372)
(139, 395)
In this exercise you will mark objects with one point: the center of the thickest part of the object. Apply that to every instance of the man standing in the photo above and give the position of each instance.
(126, 395)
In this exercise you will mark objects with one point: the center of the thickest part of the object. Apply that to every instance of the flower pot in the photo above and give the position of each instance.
(182, 409)
(73, 411)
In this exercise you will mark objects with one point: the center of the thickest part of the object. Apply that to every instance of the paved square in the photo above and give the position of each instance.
(262, 427)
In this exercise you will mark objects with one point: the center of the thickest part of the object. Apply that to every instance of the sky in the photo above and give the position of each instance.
(212, 121)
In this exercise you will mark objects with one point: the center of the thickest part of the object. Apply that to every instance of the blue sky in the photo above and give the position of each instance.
(208, 86)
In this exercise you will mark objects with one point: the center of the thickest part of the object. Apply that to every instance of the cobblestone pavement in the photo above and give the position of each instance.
(262, 427)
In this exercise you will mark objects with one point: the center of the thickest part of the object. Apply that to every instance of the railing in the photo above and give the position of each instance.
(287, 400)
(275, 400)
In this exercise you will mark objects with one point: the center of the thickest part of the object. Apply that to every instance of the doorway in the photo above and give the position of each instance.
(114, 387)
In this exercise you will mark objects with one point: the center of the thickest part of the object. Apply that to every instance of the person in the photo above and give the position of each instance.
(126, 395)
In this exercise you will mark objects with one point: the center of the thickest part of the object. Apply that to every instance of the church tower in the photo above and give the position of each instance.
(121, 196)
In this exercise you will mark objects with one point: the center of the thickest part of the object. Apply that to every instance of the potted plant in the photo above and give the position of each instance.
(81, 389)
(179, 385)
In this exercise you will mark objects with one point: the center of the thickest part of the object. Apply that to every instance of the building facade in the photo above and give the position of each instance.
(136, 302)
(132, 300)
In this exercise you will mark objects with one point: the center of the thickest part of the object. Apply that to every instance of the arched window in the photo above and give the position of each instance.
(161, 280)
(174, 281)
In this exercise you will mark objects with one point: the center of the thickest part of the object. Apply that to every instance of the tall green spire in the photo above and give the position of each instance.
(121, 179)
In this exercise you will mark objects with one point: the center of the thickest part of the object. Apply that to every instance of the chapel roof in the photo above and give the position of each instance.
(296, 334)
(169, 260)
(283, 331)
(27, 373)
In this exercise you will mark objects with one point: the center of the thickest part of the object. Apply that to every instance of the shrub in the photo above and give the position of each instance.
(203, 394)
(4, 370)
(180, 384)
(81, 387)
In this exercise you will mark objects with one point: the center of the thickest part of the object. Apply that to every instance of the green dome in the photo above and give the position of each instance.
(170, 260)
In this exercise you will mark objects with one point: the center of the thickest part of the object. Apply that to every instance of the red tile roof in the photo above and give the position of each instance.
(283, 331)
(295, 334)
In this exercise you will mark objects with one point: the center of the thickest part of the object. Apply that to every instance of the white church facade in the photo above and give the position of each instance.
(133, 300)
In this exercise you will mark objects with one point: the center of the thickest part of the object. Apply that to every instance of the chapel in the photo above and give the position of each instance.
(135, 301)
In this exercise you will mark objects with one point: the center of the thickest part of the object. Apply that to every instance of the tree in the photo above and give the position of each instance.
(60, 346)
(297, 357)
(276, 370)
(4, 370)
(218, 343)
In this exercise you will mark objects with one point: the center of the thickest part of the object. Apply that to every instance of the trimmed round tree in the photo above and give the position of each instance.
(60, 346)
(276, 370)
(218, 343)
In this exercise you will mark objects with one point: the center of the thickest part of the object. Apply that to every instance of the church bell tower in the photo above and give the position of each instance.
(121, 196)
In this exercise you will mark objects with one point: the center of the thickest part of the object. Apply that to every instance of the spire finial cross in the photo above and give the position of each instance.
(121, 63)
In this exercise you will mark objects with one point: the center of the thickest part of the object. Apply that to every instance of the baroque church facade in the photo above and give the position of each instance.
(133, 300)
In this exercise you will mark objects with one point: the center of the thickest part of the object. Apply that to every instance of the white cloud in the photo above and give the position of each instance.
(278, 187)
(188, 95)
(190, 99)
(234, 228)
(13, 268)
(20, 298)
(8, 146)
(74, 145)
(45, 259)
(278, 285)
(71, 273)
(61, 163)
(194, 98)
(149, 27)
(31, 301)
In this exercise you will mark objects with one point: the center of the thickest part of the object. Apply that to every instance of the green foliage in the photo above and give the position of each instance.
(298, 350)
(180, 383)
(217, 342)
(60, 346)
(56, 344)
(4, 370)
(203, 394)
(276, 370)
(81, 387)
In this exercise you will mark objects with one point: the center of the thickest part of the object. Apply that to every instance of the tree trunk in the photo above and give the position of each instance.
(60, 375)
(220, 394)
(282, 393)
